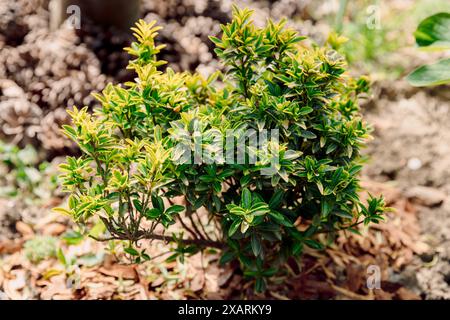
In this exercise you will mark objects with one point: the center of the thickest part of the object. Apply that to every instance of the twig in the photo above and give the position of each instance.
(153, 236)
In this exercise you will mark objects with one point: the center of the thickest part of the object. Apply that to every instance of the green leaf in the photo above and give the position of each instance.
(131, 251)
(305, 110)
(256, 245)
(246, 198)
(308, 134)
(233, 228)
(297, 248)
(217, 186)
(431, 75)
(276, 199)
(331, 148)
(226, 173)
(236, 210)
(355, 231)
(313, 244)
(199, 202)
(153, 213)
(280, 218)
(63, 211)
(217, 202)
(61, 257)
(260, 285)
(174, 209)
(434, 31)
(245, 180)
(137, 204)
(72, 237)
(291, 155)
(226, 257)
(259, 209)
(158, 203)
(326, 207)
(274, 89)
(70, 132)
(343, 214)
(216, 41)
(320, 186)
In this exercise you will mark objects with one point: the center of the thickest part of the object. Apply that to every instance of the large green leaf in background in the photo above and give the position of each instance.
(433, 32)
(431, 74)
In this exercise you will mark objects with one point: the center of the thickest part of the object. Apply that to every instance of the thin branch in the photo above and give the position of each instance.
(202, 226)
(187, 227)
(189, 215)
(170, 238)
(180, 218)
(197, 230)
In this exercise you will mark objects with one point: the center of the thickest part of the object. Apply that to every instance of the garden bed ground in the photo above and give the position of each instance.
(90, 272)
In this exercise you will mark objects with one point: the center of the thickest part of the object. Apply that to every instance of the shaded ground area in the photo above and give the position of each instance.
(48, 260)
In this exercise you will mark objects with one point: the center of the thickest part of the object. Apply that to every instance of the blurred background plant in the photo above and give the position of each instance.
(40, 248)
(379, 31)
(23, 175)
(433, 33)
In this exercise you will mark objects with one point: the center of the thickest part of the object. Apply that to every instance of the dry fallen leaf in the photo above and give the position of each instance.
(278, 296)
(15, 284)
(158, 281)
(24, 229)
(120, 271)
(350, 294)
(355, 277)
(56, 289)
(10, 292)
(8, 246)
(405, 294)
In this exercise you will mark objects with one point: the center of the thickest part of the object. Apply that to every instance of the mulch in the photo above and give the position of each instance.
(91, 271)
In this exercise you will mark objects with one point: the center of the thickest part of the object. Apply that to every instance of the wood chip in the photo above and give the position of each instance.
(426, 196)
(120, 271)
(405, 294)
(53, 229)
(24, 229)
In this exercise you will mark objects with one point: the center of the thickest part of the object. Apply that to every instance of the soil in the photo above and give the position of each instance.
(410, 150)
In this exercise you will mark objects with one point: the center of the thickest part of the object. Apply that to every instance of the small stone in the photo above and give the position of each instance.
(414, 164)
